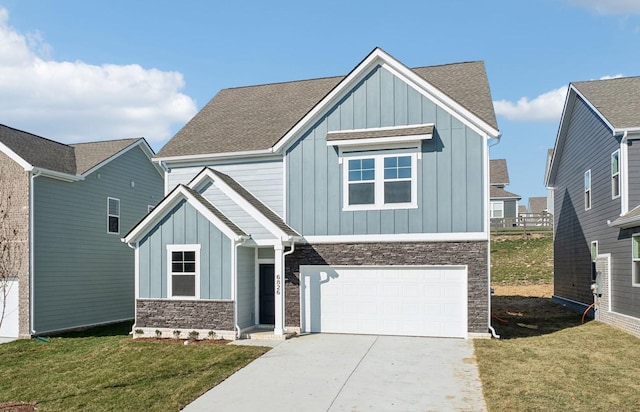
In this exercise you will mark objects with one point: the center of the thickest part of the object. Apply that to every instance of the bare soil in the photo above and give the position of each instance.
(17, 406)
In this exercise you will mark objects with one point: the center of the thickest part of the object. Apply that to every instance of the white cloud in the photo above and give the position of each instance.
(610, 6)
(76, 101)
(545, 108)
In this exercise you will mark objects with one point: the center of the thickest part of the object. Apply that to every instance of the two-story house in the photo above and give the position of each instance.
(350, 204)
(63, 210)
(594, 176)
(503, 206)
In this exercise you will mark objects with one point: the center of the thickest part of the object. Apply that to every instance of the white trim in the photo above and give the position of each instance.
(109, 215)
(401, 237)
(136, 276)
(284, 187)
(199, 158)
(635, 277)
(497, 202)
(588, 190)
(140, 142)
(614, 175)
(16, 158)
(378, 140)
(592, 243)
(486, 192)
(379, 57)
(183, 248)
(593, 108)
(65, 177)
(624, 175)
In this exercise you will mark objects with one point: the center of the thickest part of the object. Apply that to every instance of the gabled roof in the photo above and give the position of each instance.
(500, 193)
(202, 205)
(257, 118)
(73, 161)
(498, 172)
(537, 204)
(617, 100)
(629, 219)
(522, 209)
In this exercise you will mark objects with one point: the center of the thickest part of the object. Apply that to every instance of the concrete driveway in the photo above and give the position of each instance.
(324, 372)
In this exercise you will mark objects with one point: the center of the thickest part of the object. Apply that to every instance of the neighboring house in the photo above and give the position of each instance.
(550, 199)
(594, 175)
(538, 205)
(69, 205)
(503, 204)
(352, 204)
(522, 210)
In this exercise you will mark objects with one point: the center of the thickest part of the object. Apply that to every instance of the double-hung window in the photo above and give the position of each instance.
(496, 209)
(113, 215)
(587, 190)
(635, 261)
(615, 174)
(380, 180)
(184, 271)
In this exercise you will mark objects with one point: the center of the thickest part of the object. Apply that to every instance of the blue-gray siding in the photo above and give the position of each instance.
(246, 286)
(83, 275)
(588, 145)
(511, 208)
(262, 178)
(185, 225)
(450, 173)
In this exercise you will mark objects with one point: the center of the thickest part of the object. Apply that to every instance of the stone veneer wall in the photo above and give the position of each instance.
(473, 254)
(184, 314)
(14, 182)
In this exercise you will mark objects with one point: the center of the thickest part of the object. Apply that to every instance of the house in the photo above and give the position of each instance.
(351, 204)
(550, 200)
(593, 175)
(522, 210)
(67, 208)
(538, 205)
(503, 204)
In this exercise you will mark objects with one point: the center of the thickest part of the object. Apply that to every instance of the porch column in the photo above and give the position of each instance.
(278, 278)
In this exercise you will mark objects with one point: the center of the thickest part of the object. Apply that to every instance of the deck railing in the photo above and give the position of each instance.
(526, 222)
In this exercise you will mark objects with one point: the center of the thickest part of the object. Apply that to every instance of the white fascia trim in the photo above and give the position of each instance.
(240, 201)
(560, 136)
(592, 107)
(14, 156)
(402, 237)
(378, 56)
(199, 158)
(169, 202)
(65, 177)
(379, 140)
(143, 145)
(628, 130)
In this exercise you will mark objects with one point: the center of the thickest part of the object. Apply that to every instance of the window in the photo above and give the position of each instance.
(615, 174)
(113, 215)
(183, 269)
(496, 209)
(587, 190)
(380, 181)
(635, 239)
(594, 256)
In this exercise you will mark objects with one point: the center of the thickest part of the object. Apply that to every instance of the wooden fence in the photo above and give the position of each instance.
(526, 222)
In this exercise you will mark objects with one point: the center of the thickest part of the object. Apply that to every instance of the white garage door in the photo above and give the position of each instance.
(9, 326)
(394, 300)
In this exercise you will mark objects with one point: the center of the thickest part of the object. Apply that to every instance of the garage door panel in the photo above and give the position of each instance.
(419, 301)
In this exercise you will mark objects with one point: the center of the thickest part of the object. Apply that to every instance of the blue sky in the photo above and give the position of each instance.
(79, 70)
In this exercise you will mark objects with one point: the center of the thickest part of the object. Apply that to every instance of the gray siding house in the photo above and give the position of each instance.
(68, 206)
(503, 204)
(595, 176)
(353, 204)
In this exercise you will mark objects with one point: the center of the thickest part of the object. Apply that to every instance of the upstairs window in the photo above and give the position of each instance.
(113, 215)
(184, 262)
(615, 174)
(587, 190)
(635, 261)
(496, 209)
(380, 181)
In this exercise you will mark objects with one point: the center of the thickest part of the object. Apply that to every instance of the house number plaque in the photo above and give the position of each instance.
(278, 282)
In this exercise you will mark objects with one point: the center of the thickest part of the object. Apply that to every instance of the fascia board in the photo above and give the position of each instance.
(379, 140)
(65, 177)
(142, 143)
(569, 100)
(199, 158)
(14, 156)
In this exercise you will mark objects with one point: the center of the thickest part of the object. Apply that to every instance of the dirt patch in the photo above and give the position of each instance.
(178, 342)
(537, 291)
(17, 406)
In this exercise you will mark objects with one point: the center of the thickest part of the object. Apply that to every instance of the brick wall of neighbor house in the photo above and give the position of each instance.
(184, 314)
(472, 254)
(15, 181)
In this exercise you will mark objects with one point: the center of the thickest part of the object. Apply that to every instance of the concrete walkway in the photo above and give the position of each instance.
(324, 372)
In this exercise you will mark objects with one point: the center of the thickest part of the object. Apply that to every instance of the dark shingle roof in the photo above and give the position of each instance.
(224, 219)
(618, 100)
(257, 117)
(498, 172)
(369, 134)
(262, 208)
(500, 193)
(58, 157)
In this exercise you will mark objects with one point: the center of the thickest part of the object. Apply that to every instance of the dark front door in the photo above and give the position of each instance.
(267, 301)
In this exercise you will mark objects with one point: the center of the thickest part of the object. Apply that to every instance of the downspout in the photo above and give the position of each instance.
(491, 329)
(31, 253)
(284, 275)
(624, 193)
(136, 283)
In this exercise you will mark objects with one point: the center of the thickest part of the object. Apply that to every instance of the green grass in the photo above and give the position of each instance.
(104, 370)
(519, 260)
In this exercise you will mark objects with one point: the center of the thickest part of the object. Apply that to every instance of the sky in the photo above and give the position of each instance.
(76, 71)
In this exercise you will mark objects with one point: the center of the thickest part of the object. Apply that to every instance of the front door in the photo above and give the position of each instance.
(267, 301)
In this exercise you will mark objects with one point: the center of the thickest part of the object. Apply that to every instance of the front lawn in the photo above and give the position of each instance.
(104, 370)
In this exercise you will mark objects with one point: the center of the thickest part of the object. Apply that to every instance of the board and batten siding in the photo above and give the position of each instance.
(246, 273)
(262, 178)
(84, 275)
(588, 145)
(450, 173)
(181, 226)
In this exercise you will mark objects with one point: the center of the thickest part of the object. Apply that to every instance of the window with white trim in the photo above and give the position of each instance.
(587, 190)
(113, 215)
(183, 271)
(615, 174)
(496, 209)
(594, 256)
(635, 261)
(379, 180)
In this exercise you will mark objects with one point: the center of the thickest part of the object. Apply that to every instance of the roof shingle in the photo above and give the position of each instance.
(498, 172)
(618, 100)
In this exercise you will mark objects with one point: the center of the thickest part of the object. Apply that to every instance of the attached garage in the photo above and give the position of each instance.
(9, 324)
(385, 300)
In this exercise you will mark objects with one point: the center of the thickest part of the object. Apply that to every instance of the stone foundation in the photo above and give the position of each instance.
(184, 315)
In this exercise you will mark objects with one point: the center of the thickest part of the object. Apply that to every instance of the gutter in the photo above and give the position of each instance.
(32, 176)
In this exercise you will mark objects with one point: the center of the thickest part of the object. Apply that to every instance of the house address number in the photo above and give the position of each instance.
(278, 282)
